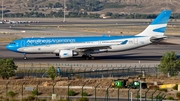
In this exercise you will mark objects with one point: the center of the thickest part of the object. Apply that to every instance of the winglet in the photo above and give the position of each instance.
(124, 42)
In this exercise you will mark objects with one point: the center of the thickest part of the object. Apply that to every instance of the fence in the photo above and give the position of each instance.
(84, 71)
(94, 93)
(87, 71)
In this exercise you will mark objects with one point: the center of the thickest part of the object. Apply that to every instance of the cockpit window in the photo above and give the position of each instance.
(12, 43)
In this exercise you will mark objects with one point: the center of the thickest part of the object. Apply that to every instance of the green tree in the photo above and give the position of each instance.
(7, 68)
(50, 5)
(52, 72)
(57, 5)
(109, 14)
(169, 63)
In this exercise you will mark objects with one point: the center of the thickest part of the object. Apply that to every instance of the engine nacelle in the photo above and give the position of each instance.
(67, 53)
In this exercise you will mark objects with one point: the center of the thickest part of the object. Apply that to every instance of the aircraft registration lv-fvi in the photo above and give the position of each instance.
(67, 47)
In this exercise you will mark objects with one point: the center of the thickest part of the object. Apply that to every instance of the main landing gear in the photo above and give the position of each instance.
(25, 58)
(88, 57)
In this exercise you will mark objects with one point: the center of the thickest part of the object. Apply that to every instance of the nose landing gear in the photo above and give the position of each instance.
(88, 57)
(25, 58)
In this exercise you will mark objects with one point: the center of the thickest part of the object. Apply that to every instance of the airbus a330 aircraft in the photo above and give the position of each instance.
(66, 47)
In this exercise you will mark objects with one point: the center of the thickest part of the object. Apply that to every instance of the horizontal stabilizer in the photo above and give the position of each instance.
(157, 38)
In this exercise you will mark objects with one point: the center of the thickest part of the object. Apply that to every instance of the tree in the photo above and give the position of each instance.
(57, 5)
(109, 14)
(169, 63)
(52, 72)
(50, 5)
(7, 68)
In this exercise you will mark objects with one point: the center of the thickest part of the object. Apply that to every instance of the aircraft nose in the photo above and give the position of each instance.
(8, 47)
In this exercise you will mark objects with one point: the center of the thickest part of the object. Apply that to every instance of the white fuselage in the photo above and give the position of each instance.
(114, 44)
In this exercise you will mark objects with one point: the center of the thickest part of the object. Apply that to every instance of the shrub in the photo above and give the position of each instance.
(175, 87)
(1, 97)
(34, 92)
(83, 99)
(138, 96)
(24, 99)
(14, 100)
(170, 98)
(42, 100)
(71, 93)
(11, 94)
(158, 97)
(7, 99)
(178, 95)
(63, 100)
(163, 89)
(30, 98)
(84, 94)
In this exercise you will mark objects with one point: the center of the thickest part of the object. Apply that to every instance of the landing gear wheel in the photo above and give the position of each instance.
(83, 56)
(92, 57)
(87, 58)
(25, 58)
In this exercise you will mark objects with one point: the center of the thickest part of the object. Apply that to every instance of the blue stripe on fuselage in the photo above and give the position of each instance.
(65, 40)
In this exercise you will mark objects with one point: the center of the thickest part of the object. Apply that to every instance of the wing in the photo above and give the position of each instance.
(90, 47)
(94, 47)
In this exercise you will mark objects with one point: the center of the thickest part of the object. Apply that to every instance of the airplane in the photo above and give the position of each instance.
(67, 47)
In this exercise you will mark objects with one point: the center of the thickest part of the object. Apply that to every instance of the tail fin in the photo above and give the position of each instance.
(158, 26)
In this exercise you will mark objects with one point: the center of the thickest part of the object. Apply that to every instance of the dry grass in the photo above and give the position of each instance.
(16, 86)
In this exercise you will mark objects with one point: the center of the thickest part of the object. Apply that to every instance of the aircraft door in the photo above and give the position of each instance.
(48, 44)
(99, 42)
(135, 41)
(23, 43)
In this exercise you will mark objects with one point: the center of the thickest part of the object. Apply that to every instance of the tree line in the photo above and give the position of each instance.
(60, 13)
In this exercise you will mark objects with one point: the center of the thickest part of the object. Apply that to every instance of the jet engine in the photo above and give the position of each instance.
(67, 53)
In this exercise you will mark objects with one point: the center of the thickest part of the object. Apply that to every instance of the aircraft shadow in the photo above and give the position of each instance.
(130, 56)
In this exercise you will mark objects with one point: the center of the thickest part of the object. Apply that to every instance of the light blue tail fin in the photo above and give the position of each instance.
(158, 26)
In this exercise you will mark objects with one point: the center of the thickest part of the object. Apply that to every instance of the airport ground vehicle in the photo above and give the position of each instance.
(125, 83)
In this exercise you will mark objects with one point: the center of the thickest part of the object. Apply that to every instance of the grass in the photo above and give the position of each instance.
(7, 39)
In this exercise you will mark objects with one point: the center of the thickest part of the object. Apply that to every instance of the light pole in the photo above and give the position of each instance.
(64, 11)
(2, 10)
(140, 93)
